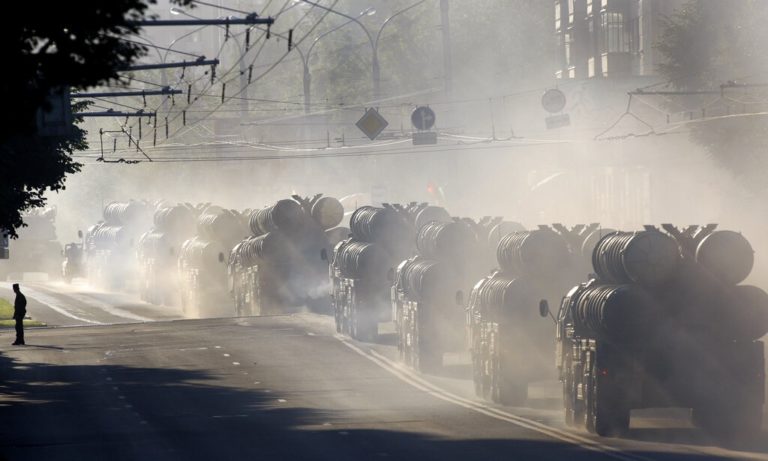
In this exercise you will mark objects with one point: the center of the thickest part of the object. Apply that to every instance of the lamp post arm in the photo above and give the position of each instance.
(351, 18)
(317, 39)
(152, 45)
(170, 46)
(383, 25)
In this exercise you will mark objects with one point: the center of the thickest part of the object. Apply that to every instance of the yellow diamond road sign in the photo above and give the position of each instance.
(372, 123)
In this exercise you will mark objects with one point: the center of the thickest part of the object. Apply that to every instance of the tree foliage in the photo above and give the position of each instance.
(496, 45)
(55, 45)
(707, 43)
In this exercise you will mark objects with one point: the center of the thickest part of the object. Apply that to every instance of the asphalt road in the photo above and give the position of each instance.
(282, 387)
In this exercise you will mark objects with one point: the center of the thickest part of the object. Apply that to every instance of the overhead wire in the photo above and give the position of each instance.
(273, 66)
(207, 86)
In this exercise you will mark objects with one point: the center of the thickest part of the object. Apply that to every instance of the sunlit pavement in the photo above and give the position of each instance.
(284, 387)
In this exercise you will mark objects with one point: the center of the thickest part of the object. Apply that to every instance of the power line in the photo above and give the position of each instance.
(274, 65)
(221, 7)
(152, 45)
(353, 153)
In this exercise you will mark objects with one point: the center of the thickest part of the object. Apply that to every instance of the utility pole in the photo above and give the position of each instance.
(446, 28)
(115, 94)
(114, 113)
(171, 65)
(250, 20)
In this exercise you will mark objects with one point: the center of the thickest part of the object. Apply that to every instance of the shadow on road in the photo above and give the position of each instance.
(691, 436)
(118, 412)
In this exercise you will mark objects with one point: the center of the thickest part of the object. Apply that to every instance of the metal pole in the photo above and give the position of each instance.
(375, 59)
(305, 60)
(244, 93)
(169, 65)
(376, 75)
(376, 68)
(446, 27)
(117, 94)
(307, 87)
(250, 20)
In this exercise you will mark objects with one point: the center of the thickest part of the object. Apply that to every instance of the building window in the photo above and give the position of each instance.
(563, 60)
(568, 42)
(619, 35)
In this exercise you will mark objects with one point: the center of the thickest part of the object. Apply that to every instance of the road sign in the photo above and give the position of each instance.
(553, 101)
(423, 118)
(424, 137)
(557, 121)
(372, 123)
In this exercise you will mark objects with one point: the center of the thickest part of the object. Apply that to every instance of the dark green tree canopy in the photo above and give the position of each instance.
(54, 45)
(708, 43)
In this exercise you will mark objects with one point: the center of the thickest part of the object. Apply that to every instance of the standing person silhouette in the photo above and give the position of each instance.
(19, 311)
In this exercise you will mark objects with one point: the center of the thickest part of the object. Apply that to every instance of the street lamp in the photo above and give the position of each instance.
(163, 57)
(375, 70)
(305, 56)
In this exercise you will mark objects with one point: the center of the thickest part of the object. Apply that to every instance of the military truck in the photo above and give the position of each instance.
(363, 266)
(508, 341)
(429, 323)
(664, 323)
(280, 267)
(202, 263)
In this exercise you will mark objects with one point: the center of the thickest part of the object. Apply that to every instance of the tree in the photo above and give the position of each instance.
(707, 43)
(52, 46)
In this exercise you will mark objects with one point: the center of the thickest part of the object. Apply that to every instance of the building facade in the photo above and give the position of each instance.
(609, 38)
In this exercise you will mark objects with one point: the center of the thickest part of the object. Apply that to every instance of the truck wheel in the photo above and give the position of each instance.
(364, 329)
(729, 419)
(429, 355)
(337, 318)
(477, 374)
(606, 413)
(489, 364)
(429, 359)
(574, 408)
(505, 389)
(512, 392)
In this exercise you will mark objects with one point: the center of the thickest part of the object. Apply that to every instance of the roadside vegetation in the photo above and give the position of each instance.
(6, 316)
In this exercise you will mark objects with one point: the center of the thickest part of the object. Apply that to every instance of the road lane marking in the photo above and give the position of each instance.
(55, 305)
(109, 309)
(423, 385)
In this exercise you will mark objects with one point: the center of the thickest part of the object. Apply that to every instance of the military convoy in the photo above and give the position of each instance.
(650, 318)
